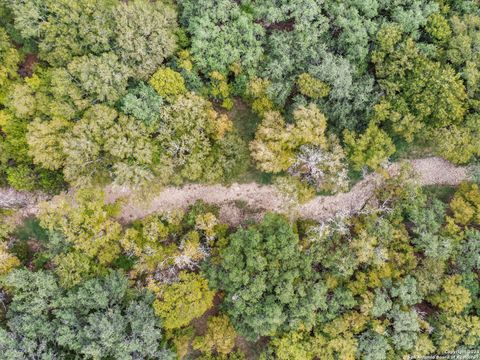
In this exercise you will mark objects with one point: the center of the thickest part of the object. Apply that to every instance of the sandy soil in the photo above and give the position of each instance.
(256, 199)
(430, 171)
(241, 202)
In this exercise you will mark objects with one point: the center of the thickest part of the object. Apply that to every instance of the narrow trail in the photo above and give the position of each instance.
(256, 199)
(239, 202)
(430, 171)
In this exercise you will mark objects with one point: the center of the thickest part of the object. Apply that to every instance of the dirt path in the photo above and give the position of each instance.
(239, 202)
(430, 171)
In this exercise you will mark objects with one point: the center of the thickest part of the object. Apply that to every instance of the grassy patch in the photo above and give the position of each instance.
(441, 192)
(28, 238)
(416, 149)
(246, 122)
(30, 230)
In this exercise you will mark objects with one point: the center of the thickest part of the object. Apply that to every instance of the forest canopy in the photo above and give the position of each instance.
(307, 97)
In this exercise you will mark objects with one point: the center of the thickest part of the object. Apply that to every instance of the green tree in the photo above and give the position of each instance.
(220, 336)
(144, 35)
(373, 346)
(268, 280)
(102, 77)
(469, 255)
(100, 318)
(86, 222)
(181, 302)
(143, 103)
(407, 291)
(371, 148)
(406, 329)
(222, 33)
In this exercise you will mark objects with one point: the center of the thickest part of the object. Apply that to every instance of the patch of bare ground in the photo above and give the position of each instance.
(257, 199)
(28, 65)
(251, 350)
(240, 203)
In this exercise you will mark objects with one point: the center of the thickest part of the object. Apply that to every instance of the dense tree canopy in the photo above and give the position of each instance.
(304, 95)
(98, 319)
(269, 283)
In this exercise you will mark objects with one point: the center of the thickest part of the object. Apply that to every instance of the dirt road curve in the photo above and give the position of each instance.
(266, 198)
(247, 200)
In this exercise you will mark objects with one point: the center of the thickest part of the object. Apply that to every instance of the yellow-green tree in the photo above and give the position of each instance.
(168, 83)
(312, 87)
(276, 143)
(371, 148)
(86, 222)
(181, 302)
(219, 337)
(465, 204)
(453, 298)
(9, 60)
(45, 142)
(8, 261)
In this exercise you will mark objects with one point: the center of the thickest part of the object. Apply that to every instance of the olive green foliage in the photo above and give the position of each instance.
(183, 301)
(145, 94)
(15, 162)
(65, 30)
(420, 92)
(197, 143)
(407, 71)
(45, 142)
(269, 284)
(9, 58)
(92, 50)
(48, 93)
(72, 29)
(144, 34)
(384, 300)
(220, 336)
(294, 189)
(372, 285)
(371, 148)
(103, 77)
(276, 142)
(87, 224)
(9, 261)
(311, 87)
(106, 145)
(257, 92)
(171, 242)
(428, 88)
